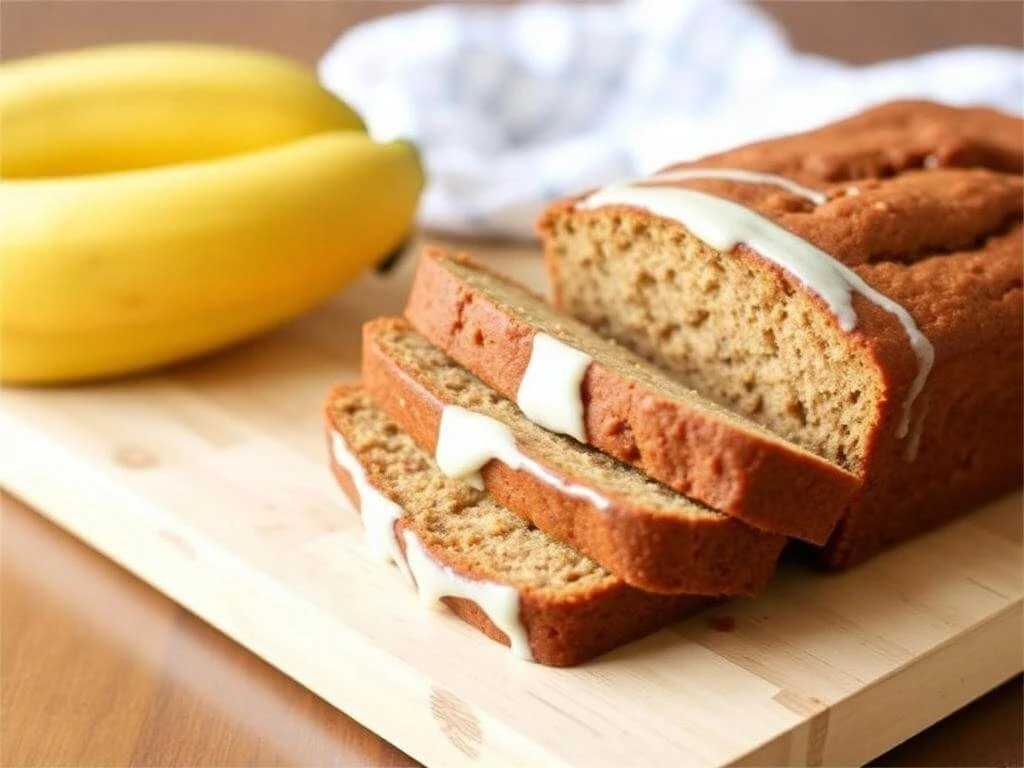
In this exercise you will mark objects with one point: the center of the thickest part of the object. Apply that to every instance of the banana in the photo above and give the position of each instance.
(137, 106)
(122, 272)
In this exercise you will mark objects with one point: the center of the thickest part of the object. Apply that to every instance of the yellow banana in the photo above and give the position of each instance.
(120, 272)
(136, 106)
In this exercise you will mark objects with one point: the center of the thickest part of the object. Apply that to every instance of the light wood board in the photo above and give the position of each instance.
(209, 481)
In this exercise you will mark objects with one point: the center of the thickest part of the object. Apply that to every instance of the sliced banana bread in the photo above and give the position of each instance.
(496, 572)
(645, 533)
(617, 402)
(856, 289)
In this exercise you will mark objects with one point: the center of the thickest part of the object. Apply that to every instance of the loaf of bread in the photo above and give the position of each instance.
(643, 532)
(496, 572)
(566, 377)
(856, 289)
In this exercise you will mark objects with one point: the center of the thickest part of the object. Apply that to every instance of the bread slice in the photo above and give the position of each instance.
(920, 204)
(630, 409)
(561, 607)
(646, 534)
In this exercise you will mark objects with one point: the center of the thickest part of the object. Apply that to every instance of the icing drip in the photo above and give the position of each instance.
(467, 440)
(549, 394)
(432, 579)
(723, 225)
(745, 177)
(378, 512)
(499, 601)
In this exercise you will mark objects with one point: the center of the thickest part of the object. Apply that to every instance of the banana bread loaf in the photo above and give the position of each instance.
(856, 289)
(521, 346)
(643, 532)
(512, 582)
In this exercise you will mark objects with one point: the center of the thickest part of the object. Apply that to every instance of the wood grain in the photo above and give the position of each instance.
(100, 669)
(53, 586)
(209, 481)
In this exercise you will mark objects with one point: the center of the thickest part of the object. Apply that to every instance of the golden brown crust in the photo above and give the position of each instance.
(709, 554)
(885, 141)
(685, 444)
(562, 630)
(924, 202)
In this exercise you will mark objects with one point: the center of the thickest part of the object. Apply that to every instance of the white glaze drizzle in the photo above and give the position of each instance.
(723, 225)
(467, 440)
(500, 602)
(745, 177)
(549, 393)
(379, 513)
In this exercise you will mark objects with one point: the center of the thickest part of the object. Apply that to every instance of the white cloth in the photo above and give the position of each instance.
(513, 106)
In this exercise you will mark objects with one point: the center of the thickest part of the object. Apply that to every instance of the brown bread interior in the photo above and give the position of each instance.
(728, 327)
(478, 536)
(545, 318)
(428, 364)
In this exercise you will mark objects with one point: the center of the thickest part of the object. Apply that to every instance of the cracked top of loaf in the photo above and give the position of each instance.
(924, 201)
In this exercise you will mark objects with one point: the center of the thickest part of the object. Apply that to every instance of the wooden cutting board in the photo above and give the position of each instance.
(209, 481)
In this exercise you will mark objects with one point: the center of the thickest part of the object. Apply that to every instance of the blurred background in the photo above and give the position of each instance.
(856, 31)
(513, 105)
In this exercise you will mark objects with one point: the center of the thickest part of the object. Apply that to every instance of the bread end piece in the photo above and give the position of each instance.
(570, 608)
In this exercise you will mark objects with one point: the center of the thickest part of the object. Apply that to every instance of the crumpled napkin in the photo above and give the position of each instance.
(513, 106)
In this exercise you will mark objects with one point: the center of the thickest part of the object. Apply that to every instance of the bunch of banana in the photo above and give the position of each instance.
(160, 201)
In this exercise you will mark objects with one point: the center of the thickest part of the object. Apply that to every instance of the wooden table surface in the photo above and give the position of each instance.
(96, 668)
